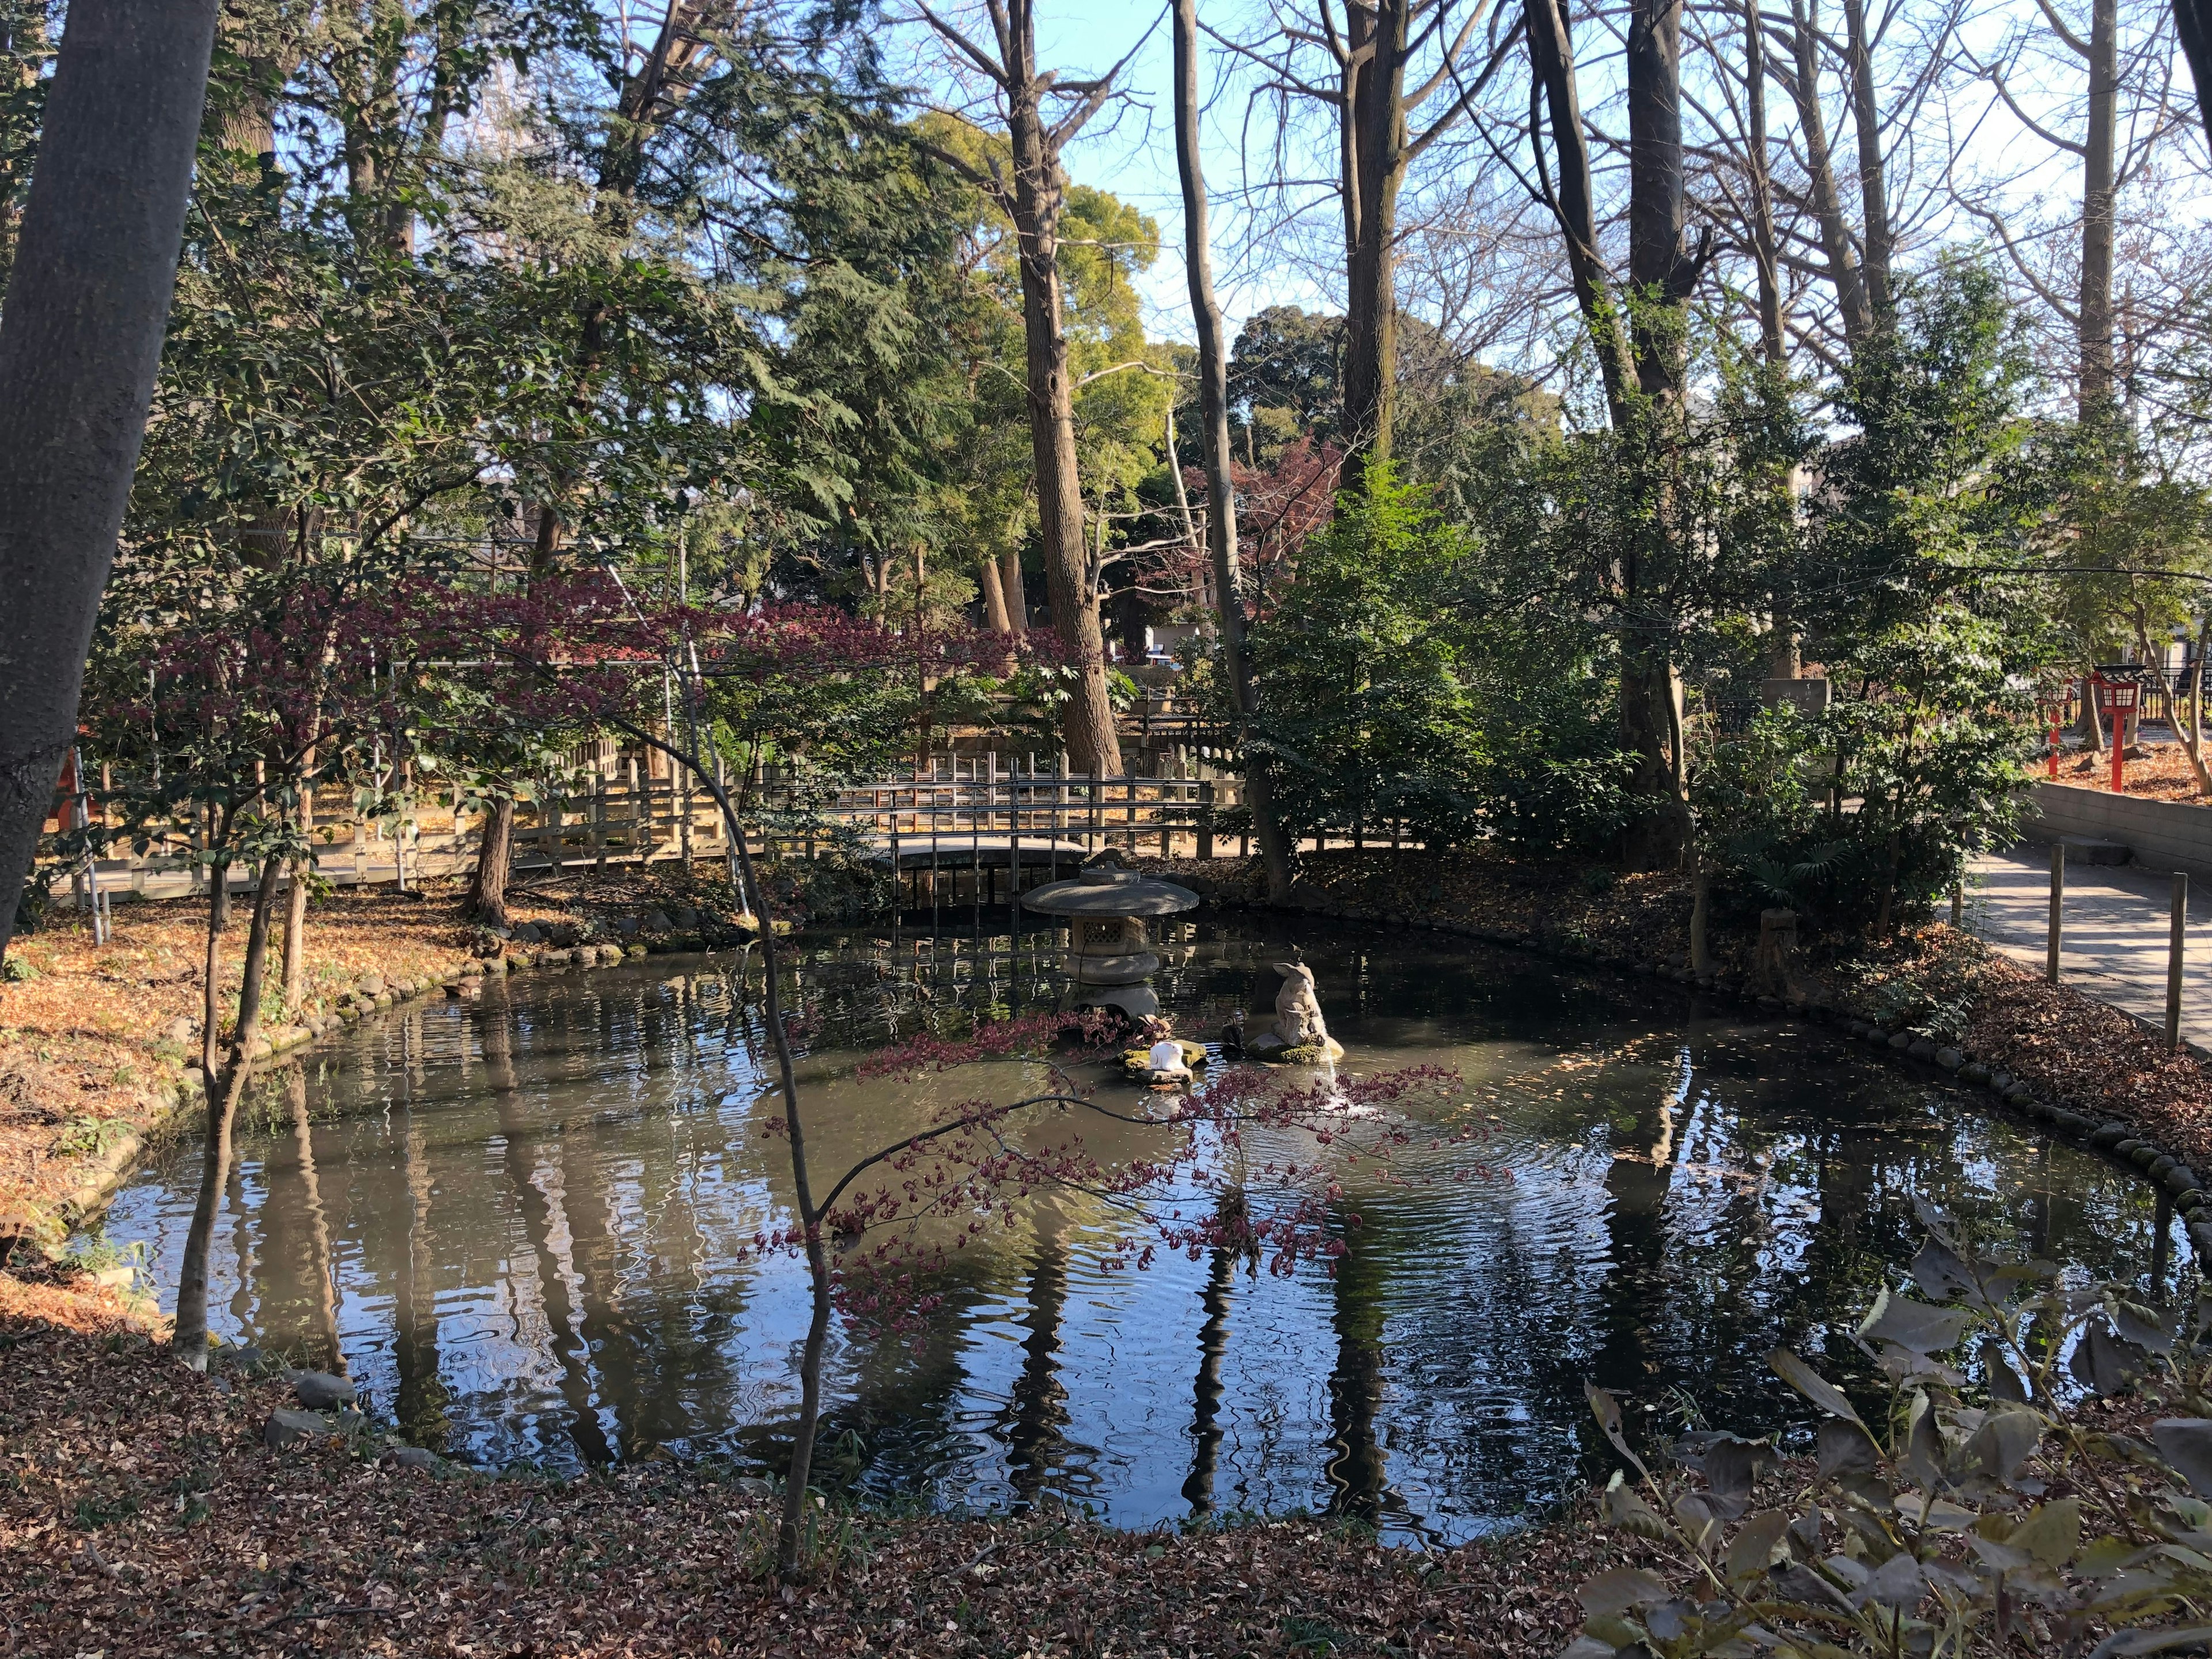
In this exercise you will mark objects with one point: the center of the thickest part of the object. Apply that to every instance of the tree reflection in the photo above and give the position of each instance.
(519, 1139)
(1206, 1423)
(1036, 1429)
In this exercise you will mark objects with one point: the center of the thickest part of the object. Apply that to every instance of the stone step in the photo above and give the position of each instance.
(2087, 849)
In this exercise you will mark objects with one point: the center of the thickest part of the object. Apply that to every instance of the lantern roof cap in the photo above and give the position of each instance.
(1104, 888)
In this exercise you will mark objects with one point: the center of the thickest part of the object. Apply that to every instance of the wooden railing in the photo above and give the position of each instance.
(965, 815)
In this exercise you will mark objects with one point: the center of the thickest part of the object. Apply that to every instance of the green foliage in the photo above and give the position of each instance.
(1367, 712)
(1963, 1511)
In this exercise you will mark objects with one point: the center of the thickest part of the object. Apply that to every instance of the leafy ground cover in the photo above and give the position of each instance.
(140, 1514)
(2162, 775)
(92, 1038)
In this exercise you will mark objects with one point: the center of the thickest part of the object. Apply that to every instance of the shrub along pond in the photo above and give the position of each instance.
(524, 1223)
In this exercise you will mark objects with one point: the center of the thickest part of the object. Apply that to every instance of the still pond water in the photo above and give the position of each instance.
(523, 1221)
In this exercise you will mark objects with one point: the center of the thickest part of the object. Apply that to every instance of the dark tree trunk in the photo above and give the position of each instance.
(2192, 20)
(494, 859)
(2094, 385)
(1644, 368)
(1662, 275)
(1087, 726)
(1372, 146)
(1875, 236)
(1827, 206)
(1213, 413)
(1658, 270)
(80, 339)
(1552, 55)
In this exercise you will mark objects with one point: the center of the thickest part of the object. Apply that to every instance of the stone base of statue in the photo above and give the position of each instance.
(1269, 1046)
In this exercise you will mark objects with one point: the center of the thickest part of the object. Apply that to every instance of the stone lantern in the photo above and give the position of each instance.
(1109, 955)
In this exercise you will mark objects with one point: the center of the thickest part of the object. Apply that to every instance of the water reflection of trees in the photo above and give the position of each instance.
(579, 1162)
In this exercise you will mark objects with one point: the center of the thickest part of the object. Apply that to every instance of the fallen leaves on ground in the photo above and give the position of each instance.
(140, 1515)
(2164, 774)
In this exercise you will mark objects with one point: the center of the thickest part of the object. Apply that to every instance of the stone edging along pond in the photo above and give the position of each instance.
(2166, 1173)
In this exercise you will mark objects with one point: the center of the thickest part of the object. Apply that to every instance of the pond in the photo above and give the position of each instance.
(525, 1222)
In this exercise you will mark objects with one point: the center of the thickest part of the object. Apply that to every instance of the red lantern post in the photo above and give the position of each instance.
(2053, 709)
(2118, 696)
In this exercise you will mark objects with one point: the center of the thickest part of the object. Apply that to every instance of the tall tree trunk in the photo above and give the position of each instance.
(2192, 21)
(1773, 346)
(1214, 413)
(1658, 270)
(1843, 274)
(1087, 726)
(995, 599)
(487, 900)
(1552, 58)
(1874, 192)
(2094, 386)
(1011, 587)
(80, 339)
(1373, 112)
(225, 1086)
(1662, 275)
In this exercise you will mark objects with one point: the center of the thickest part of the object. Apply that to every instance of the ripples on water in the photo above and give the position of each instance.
(524, 1220)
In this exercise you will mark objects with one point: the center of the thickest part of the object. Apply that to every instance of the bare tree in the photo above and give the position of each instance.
(1213, 411)
(2115, 94)
(80, 339)
(1637, 329)
(1032, 194)
(1353, 59)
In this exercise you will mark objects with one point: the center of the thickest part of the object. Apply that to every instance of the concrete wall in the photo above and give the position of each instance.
(2163, 834)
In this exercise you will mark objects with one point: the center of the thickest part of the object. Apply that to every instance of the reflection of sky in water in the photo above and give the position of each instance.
(536, 1220)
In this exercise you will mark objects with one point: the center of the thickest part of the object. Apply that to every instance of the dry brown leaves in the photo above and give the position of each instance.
(2165, 775)
(2065, 1045)
(88, 1041)
(139, 1515)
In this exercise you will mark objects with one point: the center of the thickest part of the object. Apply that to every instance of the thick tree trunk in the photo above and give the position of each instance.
(1659, 271)
(1551, 57)
(1773, 347)
(995, 599)
(225, 1086)
(1843, 275)
(1662, 274)
(1087, 726)
(487, 901)
(1011, 587)
(1373, 143)
(2094, 384)
(2192, 20)
(1875, 235)
(80, 339)
(1213, 413)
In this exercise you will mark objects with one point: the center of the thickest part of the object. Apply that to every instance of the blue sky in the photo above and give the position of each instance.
(1129, 149)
